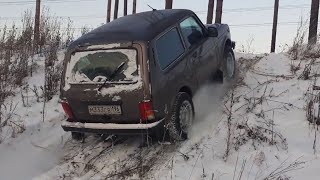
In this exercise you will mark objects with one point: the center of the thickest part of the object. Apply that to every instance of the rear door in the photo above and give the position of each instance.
(201, 47)
(104, 85)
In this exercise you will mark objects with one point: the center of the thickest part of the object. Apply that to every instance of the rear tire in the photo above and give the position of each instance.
(180, 117)
(77, 136)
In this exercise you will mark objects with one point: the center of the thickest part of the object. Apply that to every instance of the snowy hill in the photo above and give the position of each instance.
(255, 128)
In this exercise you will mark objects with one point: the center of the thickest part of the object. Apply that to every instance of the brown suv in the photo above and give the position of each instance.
(138, 73)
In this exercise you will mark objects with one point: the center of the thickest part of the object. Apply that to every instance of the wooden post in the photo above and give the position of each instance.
(210, 11)
(116, 8)
(109, 11)
(275, 26)
(168, 4)
(125, 9)
(134, 8)
(313, 26)
(219, 11)
(37, 26)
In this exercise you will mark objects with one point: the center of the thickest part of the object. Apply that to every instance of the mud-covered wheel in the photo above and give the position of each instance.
(229, 64)
(181, 117)
(77, 136)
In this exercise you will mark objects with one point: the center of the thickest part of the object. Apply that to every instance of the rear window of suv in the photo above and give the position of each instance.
(98, 66)
(169, 47)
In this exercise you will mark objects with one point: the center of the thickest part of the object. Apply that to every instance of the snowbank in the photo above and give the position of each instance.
(265, 115)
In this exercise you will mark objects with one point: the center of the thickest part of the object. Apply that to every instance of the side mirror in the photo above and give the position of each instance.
(213, 32)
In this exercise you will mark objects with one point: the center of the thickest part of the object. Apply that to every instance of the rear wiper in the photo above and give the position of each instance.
(112, 75)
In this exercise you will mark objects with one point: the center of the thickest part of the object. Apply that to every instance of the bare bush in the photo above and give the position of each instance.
(298, 42)
(84, 30)
(17, 54)
(258, 135)
(68, 33)
(280, 172)
(7, 113)
(260, 129)
(52, 70)
(229, 125)
(247, 47)
(294, 68)
(36, 92)
(305, 75)
(25, 47)
(299, 48)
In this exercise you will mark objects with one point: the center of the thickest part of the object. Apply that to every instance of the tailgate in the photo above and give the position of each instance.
(110, 105)
(104, 85)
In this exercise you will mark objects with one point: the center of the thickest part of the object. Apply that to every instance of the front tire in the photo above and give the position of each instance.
(229, 64)
(181, 117)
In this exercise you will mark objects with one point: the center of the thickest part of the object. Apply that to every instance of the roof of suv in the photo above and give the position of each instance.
(138, 27)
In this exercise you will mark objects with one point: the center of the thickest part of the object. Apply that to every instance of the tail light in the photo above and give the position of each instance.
(67, 109)
(146, 111)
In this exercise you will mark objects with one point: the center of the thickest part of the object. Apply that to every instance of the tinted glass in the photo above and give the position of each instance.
(191, 31)
(169, 48)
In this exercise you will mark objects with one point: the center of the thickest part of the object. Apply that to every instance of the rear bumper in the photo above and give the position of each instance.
(111, 128)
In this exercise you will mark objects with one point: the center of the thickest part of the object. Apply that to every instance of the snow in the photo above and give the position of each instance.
(206, 149)
(105, 46)
(116, 98)
(35, 151)
(45, 151)
(110, 91)
(38, 148)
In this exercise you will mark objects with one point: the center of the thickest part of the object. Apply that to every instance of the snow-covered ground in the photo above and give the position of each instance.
(269, 92)
(39, 147)
(265, 114)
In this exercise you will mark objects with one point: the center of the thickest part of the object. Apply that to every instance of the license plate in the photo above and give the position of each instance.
(105, 110)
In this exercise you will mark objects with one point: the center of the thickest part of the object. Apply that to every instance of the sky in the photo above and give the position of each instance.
(250, 20)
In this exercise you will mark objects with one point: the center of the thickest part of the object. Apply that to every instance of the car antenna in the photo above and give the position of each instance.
(151, 8)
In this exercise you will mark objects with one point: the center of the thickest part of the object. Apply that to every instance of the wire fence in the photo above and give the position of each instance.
(100, 18)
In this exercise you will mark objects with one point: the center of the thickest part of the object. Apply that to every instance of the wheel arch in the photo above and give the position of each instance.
(187, 90)
(228, 43)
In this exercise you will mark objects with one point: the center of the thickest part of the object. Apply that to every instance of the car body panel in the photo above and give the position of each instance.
(186, 73)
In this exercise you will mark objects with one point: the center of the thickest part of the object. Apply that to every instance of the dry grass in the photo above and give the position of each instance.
(298, 46)
(17, 54)
(299, 49)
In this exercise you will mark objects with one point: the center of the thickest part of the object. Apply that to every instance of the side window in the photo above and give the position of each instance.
(169, 47)
(192, 31)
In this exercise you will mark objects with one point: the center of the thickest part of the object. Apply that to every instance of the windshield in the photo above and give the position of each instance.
(102, 65)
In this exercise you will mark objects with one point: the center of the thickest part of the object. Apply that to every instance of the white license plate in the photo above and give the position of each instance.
(105, 110)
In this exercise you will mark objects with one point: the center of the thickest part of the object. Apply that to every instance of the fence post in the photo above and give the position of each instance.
(210, 12)
(109, 11)
(219, 11)
(275, 26)
(168, 4)
(134, 8)
(125, 8)
(37, 26)
(116, 8)
(313, 26)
